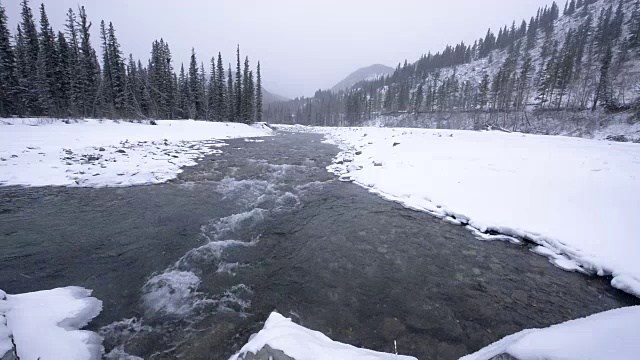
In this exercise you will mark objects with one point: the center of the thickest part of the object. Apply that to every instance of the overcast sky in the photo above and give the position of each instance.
(302, 45)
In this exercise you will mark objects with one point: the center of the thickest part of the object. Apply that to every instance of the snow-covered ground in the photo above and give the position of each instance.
(578, 199)
(94, 153)
(44, 325)
(280, 333)
(608, 335)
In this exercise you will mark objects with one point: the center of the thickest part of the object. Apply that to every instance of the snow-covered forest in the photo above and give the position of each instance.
(44, 73)
(583, 59)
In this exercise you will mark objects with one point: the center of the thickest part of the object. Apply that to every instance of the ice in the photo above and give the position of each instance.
(578, 198)
(300, 343)
(609, 335)
(94, 153)
(44, 324)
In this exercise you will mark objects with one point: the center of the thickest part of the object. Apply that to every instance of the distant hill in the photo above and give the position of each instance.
(270, 98)
(366, 73)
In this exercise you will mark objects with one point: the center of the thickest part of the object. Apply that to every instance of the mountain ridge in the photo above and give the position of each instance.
(370, 72)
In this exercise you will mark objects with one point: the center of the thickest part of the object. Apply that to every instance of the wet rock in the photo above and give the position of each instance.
(9, 356)
(392, 328)
(358, 152)
(102, 149)
(376, 163)
(14, 156)
(503, 357)
(396, 144)
(121, 151)
(267, 353)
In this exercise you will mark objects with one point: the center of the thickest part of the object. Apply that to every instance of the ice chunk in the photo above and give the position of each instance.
(45, 324)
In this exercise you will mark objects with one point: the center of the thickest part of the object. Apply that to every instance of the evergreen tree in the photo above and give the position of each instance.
(88, 66)
(117, 71)
(28, 62)
(258, 94)
(8, 80)
(220, 94)
(74, 70)
(194, 87)
(238, 112)
(62, 80)
(231, 97)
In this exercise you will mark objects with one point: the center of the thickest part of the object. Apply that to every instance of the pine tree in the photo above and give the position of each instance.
(89, 69)
(247, 94)
(28, 76)
(603, 90)
(194, 85)
(231, 97)
(220, 95)
(8, 80)
(238, 112)
(258, 94)
(75, 85)
(634, 27)
(118, 72)
(213, 109)
(202, 94)
(183, 93)
(62, 81)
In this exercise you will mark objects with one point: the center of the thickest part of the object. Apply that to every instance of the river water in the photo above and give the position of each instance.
(191, 268)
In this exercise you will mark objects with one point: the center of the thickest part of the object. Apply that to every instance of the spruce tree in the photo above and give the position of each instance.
(194, 85)
(30, 47)
(75, 85)
(258, 94)
(118, 72)
(231, 97)
(89, 69)
(220, 95)
(213, 109)
(8, 80)
(62, 81)
(238, 112)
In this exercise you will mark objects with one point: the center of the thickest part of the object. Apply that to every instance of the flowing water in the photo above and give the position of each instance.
(191, 268)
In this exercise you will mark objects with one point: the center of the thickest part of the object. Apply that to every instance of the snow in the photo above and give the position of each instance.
(44, 324)
(577, 198)
(608, 335)
(295, 341)
(98, 153)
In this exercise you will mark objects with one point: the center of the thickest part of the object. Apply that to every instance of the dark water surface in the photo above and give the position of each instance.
(189, 269)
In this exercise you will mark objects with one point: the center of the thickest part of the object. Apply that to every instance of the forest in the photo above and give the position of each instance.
(44, 73)
(583, 58)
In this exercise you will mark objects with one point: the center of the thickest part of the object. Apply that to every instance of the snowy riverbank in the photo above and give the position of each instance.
(578, 199)
(44, 325)
(94, 153)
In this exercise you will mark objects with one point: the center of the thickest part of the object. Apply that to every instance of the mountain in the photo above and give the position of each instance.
(568, 72)
(270, 98)
(366, 73)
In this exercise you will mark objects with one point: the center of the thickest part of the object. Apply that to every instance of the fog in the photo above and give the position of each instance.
(302, 45)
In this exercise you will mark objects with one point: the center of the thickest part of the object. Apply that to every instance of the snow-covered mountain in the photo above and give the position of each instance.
(269, 98)
(366, 73)
(561, 72)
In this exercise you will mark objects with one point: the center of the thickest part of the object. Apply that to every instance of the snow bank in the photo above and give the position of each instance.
(578, 198)
(44, 324)
(93, 153)
(300, 343)
(608, 335)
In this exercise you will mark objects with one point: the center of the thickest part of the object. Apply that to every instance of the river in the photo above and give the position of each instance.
(191, 268)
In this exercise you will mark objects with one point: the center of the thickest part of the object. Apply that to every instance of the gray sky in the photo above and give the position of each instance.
(302, 45)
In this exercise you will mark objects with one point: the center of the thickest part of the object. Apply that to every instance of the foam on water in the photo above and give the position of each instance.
(171, 293)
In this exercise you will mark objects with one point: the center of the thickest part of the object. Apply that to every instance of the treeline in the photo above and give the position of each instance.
(536, 65)
(49, 74)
